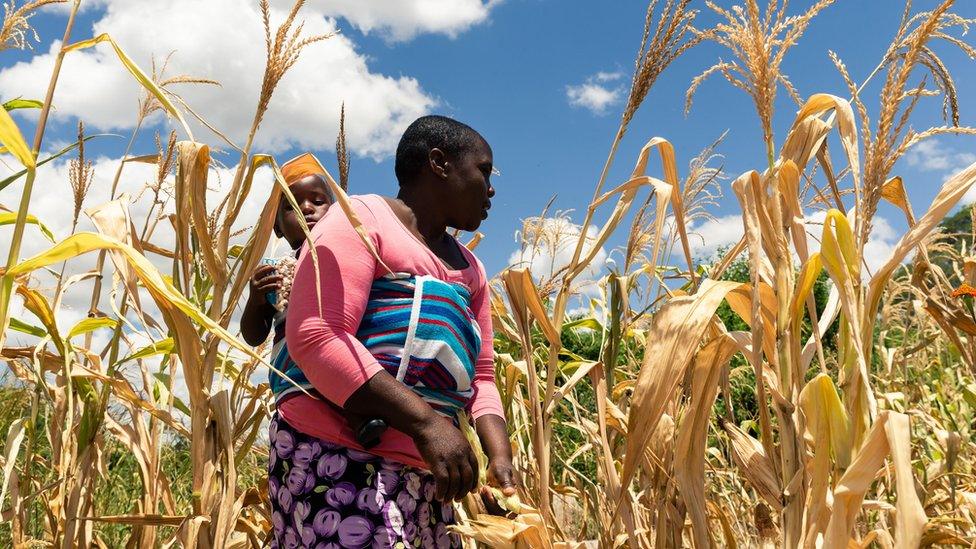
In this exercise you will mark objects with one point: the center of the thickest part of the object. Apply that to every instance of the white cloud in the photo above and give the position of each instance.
(713, 235)
(304, 110)
(405, 19)
(546, 255)
(933, 155)
(396, 20)
(943, 160)
(596, 95)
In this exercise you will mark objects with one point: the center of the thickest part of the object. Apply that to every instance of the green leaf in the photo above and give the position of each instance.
(588, 322)
(9, 218)
(23, 104)
(62, 152)
(90, 325)
(162, 347)
(25, 328)
(969, 394)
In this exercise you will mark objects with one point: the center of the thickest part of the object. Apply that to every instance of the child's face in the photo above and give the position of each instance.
(313, 198)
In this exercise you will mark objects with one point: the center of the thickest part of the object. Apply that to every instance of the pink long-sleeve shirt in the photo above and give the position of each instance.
(325, 346)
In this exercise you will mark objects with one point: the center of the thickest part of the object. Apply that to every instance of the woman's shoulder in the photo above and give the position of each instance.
(376, 209)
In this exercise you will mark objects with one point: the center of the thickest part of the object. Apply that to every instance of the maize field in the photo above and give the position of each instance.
(780, 395)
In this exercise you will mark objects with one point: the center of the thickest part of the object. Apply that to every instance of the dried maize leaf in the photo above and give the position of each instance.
(137, 73)
(752, 460)
(521, 290)
(679, 326)
(949, 195)
(894, 192)
(805, 138)
(689, 471)
(890, 435)
(112, 219)
(740, 300)
(15, 436)
(193, 164)
(823, 102)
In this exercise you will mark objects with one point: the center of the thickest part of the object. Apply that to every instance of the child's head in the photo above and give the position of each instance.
(312, 194)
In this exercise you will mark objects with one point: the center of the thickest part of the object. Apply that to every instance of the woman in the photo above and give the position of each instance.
(403, 334)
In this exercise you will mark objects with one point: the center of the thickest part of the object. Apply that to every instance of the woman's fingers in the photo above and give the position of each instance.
(442, 480)
(453, 482)
(466, 479)
(506, 480)
(473, 463)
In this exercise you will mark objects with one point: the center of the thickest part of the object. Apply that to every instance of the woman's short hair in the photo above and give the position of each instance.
(431, 132)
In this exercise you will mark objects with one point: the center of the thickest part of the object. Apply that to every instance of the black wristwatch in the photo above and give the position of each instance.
(368, 434)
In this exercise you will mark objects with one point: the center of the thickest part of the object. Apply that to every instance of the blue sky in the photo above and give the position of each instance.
(504, 69)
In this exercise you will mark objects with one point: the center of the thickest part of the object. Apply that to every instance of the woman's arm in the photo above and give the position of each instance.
(341, 369)
(494, 439)
(258, 315)
(441, 444)
(486, 404)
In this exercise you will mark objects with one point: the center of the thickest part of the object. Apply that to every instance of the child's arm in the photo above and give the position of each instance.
(258, 314)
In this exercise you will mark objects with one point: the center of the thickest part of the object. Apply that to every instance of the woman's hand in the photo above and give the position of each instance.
(454, 465)
(264, 281)
(501, 475)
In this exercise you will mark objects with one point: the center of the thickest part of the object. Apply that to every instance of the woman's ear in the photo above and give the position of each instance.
(438, 162)
(277, 229)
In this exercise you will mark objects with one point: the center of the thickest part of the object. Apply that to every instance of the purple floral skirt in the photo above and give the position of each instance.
(327, 496)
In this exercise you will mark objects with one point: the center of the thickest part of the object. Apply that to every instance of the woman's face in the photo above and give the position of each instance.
(469, 188)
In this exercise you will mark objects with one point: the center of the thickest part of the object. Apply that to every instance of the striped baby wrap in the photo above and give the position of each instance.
(421, 330)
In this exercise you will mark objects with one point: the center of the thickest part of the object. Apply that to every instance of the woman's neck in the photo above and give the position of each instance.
(420, 213)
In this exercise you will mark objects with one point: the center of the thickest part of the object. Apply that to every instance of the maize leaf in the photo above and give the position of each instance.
(21, 103)
(820, 103)
(17, 175)
(894, 192)
(9, 218)
(890, 434)
(161, 347)
(191, 187)
(949, 195)
(137, 73)
(808, 277)
(13, 140)
(755, 465)
(520, 287)
(91, 324)
(689, 471)
(15, 436)
(679, 326)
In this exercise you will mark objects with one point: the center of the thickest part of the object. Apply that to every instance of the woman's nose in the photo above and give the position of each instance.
(491, 190)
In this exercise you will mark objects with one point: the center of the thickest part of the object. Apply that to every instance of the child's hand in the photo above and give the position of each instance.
(264, 281)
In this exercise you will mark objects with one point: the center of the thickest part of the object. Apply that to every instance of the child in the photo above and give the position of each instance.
(313, 196)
